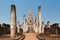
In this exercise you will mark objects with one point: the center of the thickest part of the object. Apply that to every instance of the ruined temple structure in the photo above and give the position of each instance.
(52, 29)
(31, 25)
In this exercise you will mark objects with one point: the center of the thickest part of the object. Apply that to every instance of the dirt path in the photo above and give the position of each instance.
(30, 36)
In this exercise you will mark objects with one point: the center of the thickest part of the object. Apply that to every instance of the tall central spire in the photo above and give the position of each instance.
(30, 22)
(30, 15)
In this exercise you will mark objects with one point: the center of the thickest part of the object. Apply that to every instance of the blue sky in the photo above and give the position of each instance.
(50, 10)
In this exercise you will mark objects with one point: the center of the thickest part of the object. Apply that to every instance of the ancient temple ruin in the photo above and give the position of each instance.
(31, 25)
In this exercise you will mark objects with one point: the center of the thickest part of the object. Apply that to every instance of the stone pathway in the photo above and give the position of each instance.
(30, 36)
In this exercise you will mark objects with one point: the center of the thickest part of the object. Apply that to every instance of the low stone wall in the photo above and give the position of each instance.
(19, 37)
